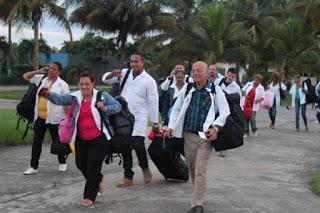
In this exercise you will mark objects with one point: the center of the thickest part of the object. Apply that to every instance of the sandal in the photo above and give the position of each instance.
(87, 203)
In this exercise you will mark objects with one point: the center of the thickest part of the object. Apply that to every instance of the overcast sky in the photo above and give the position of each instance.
(51, 32)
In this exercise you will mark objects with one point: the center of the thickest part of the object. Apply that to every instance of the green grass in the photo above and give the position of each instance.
(9, 136)
(17, 95)
(12, 95)
(315, 183)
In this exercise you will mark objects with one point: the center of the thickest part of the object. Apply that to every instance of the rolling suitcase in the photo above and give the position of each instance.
(168, 162)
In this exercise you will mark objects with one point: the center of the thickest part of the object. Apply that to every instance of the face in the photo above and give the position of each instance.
(199, 72)
(297, 80)
(53, 71)
(212, 70)
(231, 77)
(179, 67)
(86, 86)
(179, 78)
(257, 81)
(136, 63)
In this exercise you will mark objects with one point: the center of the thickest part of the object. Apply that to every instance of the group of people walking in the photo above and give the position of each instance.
(189, 110)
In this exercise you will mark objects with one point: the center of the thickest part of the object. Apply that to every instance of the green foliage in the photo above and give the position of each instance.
(12, 95)
(315, 182)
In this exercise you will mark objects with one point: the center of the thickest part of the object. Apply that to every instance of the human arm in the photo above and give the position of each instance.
(112, 77)
(109, 105)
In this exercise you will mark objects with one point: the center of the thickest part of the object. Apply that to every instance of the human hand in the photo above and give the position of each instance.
(116, 73)
(173, 72)
(169, 133)
(44, 70)
(44, 92)
(101, 107)
(212, 134)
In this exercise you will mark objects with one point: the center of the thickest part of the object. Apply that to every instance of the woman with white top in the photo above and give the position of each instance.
(46, 114)
(298, 93)
(274, 85)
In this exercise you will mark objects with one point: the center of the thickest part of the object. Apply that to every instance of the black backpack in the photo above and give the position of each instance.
(231, 134)
(25, 109)
(311, 95)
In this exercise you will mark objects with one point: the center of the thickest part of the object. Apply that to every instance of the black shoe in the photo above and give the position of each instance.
(196, 209)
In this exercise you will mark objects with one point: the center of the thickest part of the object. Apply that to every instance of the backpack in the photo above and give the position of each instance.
(231, 134)
(311, 95)
(122, 126)
(25, 109)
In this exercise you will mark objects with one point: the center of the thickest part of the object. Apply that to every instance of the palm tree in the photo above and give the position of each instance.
(25, 13)
(5, 7)
(295, 49)
(25, 50)
(215, 37)
(128, 17)
(309, 9)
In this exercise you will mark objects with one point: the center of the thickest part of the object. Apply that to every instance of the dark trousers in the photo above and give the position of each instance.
(138, 146)
(273, 112)
(303, 113)
(252, 123)
(89, 159)
(40, 128)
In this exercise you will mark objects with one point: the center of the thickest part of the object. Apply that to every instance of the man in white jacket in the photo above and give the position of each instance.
(193, 113)
(141, 94)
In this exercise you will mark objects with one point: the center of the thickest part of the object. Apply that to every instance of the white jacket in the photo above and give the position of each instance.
(165, 85)
(218, 104)
(292, 92)
(259, 94)
(276, 91)
(55, 112)
(142, 97)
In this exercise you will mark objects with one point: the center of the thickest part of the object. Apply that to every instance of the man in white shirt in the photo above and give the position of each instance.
(214, 76)
(230, 86)
(140, 92)
(192, 112)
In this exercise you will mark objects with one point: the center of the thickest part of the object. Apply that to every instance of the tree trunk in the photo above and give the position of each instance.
(122, 51)
(35, 57)
(9, 70)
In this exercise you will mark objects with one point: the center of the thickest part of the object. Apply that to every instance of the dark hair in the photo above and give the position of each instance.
(232, 70)
(87, 75)
(139, 54)
(58, 64)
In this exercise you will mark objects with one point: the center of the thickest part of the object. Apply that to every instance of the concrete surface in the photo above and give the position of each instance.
(270, 173)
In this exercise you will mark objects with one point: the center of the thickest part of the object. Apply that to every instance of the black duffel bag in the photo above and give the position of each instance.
(229, 137)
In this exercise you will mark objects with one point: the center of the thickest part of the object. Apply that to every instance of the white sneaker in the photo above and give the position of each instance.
(255, 134)
(62, 167)
(245, 136)
(30, 171)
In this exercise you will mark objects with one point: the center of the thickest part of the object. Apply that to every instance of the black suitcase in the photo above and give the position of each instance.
(169, 163)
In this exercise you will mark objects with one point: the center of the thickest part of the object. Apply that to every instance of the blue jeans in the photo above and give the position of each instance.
(273, 112)
(303, 113)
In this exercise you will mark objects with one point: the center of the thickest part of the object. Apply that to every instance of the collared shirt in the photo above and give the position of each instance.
(197, 110)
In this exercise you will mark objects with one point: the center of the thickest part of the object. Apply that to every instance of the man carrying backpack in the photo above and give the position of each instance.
(230, 86)
(193, 113)
(140, 92)
(46, 114)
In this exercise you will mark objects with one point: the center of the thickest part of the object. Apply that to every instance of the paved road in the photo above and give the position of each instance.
(270, 173)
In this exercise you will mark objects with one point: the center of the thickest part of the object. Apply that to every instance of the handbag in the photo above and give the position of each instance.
(282, 93)
(65, 127)
(58, 148)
